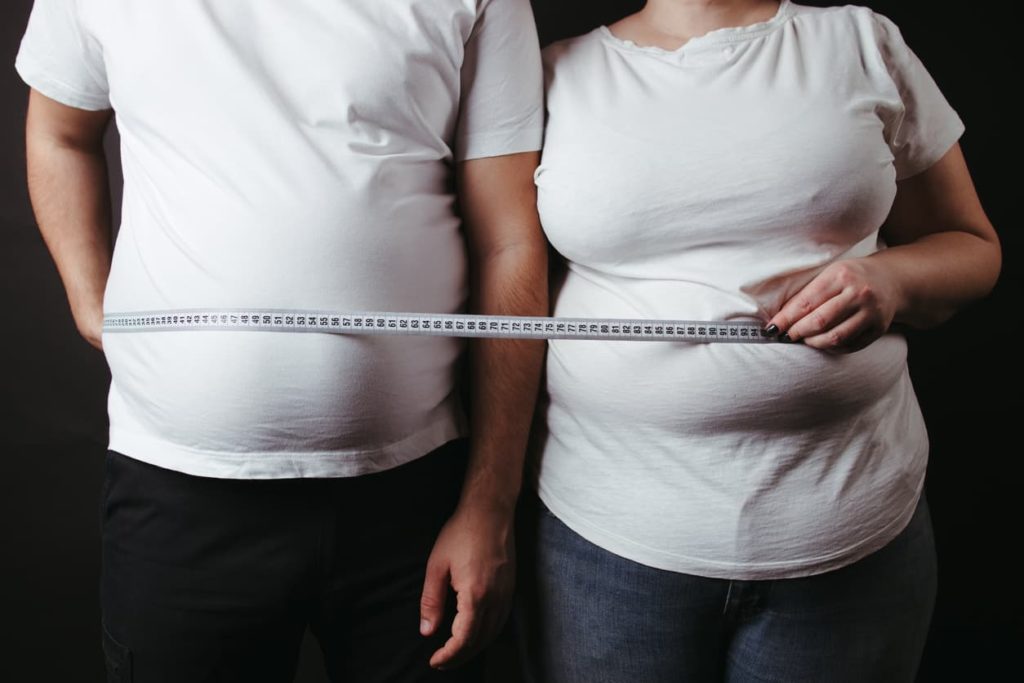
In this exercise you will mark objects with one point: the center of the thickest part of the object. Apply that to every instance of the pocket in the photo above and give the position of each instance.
(105, 484)
(545, 512)
(118, 659)
(104, 491)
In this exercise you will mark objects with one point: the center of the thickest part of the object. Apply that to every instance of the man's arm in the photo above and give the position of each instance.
(508, 261)
(67, 181)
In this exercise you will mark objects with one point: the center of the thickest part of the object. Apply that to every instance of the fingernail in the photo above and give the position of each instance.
(424, 626)
(784, 338)
(772, 329)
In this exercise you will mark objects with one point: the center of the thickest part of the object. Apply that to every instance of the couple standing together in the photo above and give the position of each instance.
(703, 512)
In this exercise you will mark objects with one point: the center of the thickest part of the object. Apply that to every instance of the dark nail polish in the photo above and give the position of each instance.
(784, 338)
(772, 329)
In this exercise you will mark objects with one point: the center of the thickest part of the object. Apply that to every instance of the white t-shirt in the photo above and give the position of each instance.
(289, 155)
(712, 183)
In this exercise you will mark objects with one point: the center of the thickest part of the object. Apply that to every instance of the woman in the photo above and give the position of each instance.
(745, 512)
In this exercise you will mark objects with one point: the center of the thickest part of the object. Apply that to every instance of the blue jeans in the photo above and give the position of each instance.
(595, 617)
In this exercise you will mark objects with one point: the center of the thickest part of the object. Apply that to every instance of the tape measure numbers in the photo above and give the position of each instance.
(440, 325)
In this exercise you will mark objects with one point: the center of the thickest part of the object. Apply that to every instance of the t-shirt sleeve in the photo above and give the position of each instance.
(923, 126)
(502, 108)
(60, 59)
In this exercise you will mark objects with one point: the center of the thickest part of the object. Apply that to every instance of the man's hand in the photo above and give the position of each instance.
(508, 276)
(475, 554)
(90, 325)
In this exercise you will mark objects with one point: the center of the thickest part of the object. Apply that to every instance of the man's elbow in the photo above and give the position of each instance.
(50, 124)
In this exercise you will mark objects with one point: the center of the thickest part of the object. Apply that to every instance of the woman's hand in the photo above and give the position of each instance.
(846, 307)
(942, 254)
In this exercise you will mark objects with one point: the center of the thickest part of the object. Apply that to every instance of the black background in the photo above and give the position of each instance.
(966, 373)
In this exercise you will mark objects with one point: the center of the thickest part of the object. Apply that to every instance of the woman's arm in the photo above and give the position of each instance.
(943, 254)
(67, 180)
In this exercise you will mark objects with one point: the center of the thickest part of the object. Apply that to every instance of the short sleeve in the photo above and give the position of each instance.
(502, 107)
(60, 59)
(924, 126)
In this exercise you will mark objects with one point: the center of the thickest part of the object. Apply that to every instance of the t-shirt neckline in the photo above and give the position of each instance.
(711, 39)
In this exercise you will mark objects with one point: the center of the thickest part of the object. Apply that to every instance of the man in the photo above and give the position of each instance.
(298, 155)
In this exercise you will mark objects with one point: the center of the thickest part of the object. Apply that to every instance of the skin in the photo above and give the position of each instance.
(943, 251)
(943, 254)
(474, 552)
(67, 182)
(670, 24)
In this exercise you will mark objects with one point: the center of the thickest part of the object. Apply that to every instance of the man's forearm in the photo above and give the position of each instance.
(67, 174)
(504, 377)
(508, 266)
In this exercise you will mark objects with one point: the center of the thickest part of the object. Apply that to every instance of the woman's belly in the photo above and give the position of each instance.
(733, 460)
(688, 388)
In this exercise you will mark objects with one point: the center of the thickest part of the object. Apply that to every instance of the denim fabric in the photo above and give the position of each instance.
(217, 580)
(594, 617)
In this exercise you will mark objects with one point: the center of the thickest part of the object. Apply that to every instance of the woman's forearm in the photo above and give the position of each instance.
(939, 273)
(67, 174)
(943, 254)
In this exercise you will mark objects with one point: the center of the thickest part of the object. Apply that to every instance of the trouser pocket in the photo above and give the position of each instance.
(118, 659)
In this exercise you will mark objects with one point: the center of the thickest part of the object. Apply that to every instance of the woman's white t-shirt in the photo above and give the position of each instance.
(712, 183)
(293, 155)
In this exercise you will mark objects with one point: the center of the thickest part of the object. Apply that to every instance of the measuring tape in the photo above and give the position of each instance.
(440, 325)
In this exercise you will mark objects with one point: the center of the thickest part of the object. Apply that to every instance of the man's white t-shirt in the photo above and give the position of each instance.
(712, 183)
(292, 155)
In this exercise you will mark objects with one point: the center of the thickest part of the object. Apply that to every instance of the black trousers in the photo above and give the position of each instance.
(216, 580)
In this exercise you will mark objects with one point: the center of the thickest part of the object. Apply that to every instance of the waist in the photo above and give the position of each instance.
(261, 391)
(708, 388)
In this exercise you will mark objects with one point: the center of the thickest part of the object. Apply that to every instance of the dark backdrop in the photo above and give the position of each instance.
(53, 388)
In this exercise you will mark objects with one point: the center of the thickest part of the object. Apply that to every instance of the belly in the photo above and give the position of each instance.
(715, 388)
(267, 392)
